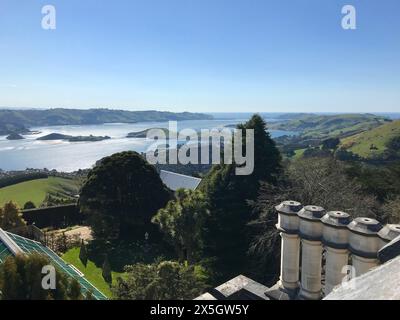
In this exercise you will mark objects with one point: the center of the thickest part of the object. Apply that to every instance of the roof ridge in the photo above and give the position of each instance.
(180, 174)
(9, 243)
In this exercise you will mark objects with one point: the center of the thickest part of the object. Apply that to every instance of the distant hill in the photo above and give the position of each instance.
(373, 142)
(19, 121)
(292, 116)
(322, 126)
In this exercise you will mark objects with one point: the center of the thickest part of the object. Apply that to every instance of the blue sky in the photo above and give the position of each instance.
(203, 55)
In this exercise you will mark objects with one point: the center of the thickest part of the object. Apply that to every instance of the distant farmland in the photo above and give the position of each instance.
(378, 137)
(36, 190)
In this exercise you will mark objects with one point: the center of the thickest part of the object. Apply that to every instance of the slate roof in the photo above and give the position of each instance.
(381, 283)
(176, 181)
(239, 288)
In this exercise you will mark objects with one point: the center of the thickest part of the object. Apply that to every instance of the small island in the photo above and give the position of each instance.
(88, 138)
(14, 136)
(59, 136)
(143, 134)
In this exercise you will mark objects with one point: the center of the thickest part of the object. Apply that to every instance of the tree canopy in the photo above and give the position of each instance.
(121, 195)
(21, 279)
(166, 280)
(10, 216)
(182, 222)
(226, 239)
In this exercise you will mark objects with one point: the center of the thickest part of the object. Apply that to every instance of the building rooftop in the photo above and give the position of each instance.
(239, 288)
(381, 283)
(375, 268)
(176, 181)
(12, 244)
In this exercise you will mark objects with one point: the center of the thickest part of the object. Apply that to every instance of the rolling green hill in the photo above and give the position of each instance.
(378, 138)
(36, 190)
(322, 126)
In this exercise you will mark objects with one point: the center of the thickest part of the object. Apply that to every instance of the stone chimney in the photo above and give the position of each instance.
(364, 244)
(353, 244)
(310, 232)
(288, 225)
(335, 239)
(388, 233)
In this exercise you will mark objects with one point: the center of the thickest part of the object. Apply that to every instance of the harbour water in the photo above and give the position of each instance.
(70, 156)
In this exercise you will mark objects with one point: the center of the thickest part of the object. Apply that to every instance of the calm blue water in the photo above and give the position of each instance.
(66, 156)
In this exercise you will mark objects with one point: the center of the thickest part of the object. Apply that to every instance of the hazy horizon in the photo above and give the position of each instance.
(197, 111)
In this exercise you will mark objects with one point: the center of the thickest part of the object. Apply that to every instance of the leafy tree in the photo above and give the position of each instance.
(29, 205)
(106, 270)
(345, 155)
(166, 280)
(373, 147)
(182, 222)
(394, 144)
(382, 182)
(83, 255)
(226, 239)
(89, 295)
(21, 279)
(121, 195)
(316, 152)
(74, 291)
(391, 208)
(330, 143)
(11, 217)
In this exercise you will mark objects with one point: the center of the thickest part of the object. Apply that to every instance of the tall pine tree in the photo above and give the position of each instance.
(83, 255)
(227, 240)
(11, 217)
(106, 270)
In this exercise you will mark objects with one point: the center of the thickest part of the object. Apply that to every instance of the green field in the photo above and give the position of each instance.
(36, 190)
(92, 273)
(361, 143)
(299, 153)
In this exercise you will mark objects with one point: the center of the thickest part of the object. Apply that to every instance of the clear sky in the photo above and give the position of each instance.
(203, 55)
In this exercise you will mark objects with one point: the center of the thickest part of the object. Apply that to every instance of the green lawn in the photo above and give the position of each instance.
(91, 271)
(36, 190)
(299, 153)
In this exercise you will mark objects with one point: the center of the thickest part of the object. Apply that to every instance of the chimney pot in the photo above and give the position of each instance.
(389, 233)
(364, 243)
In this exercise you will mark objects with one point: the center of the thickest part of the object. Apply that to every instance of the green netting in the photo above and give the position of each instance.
(4, 252)
(30, 246)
